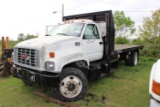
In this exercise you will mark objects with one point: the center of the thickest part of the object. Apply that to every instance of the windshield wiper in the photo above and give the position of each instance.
(63, 34)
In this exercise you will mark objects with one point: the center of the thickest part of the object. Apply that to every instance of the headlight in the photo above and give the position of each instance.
(49, 66)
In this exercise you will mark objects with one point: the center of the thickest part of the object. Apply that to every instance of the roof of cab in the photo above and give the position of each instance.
(77, 21)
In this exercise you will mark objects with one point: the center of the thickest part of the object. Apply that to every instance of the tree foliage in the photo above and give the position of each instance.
(150, 34)
(121, 40)
(124, 25)
(137, 41)
(22, 37)
(151, 26)
(30, 36)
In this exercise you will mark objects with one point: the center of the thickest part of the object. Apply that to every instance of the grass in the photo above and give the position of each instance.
(126, 87)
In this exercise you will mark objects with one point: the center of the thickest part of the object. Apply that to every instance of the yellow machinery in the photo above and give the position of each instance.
(6, 61)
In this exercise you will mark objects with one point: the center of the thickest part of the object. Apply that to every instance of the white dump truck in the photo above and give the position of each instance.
(74, 51)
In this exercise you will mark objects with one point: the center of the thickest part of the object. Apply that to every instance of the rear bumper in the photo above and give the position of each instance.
(154, 103)
(35, 77)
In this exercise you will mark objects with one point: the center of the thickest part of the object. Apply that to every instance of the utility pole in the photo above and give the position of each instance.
(62, 11)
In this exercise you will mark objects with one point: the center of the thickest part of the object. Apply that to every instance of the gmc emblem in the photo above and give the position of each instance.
(26, 57)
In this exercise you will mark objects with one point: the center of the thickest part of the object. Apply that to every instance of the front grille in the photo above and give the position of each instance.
(25, 56)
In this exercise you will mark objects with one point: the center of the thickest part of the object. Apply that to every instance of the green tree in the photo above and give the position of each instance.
(137, 41)
(121, 40)
(124, 25)
(150, 34)
(21, 37)
(151, 26)
(30, 36)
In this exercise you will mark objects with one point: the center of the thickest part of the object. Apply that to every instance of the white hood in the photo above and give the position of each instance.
(43, 41)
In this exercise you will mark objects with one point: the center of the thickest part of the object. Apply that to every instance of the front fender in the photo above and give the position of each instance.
(70, 58)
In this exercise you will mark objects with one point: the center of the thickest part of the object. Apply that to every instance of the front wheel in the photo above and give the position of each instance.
(72, 86)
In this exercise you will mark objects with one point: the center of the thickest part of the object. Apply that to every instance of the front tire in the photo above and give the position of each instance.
(72, 86)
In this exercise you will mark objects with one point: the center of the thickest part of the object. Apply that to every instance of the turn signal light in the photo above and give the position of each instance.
(156, 87)
(51, 54)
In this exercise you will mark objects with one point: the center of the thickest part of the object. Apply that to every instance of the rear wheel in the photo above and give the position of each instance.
(72, 86)
(132, 59)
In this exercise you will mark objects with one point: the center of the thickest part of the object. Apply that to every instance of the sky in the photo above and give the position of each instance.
(31, 16)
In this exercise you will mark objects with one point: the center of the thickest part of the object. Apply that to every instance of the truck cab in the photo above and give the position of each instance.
(88, 34)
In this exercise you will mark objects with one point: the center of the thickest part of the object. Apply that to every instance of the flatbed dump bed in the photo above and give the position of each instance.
(122, 48)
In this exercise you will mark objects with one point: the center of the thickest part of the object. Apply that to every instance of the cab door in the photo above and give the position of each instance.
(92, 44)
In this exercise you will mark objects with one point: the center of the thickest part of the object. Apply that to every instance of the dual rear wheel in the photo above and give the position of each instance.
(132, 59)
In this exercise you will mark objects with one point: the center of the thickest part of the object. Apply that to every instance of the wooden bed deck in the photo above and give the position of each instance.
(126, 48)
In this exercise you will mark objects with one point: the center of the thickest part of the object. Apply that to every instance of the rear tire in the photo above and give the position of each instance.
(72, 86)
(132, 59)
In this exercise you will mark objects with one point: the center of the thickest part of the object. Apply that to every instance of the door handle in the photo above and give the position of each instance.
(100, 43)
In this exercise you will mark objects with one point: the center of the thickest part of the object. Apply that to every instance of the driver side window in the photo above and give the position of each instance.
(91, 31)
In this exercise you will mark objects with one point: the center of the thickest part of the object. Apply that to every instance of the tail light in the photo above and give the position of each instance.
(156, 87)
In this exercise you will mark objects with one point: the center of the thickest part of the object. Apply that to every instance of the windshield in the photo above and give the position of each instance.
(70, 29)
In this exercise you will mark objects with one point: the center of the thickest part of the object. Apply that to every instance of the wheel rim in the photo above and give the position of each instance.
(70, 86)
(135, 58)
